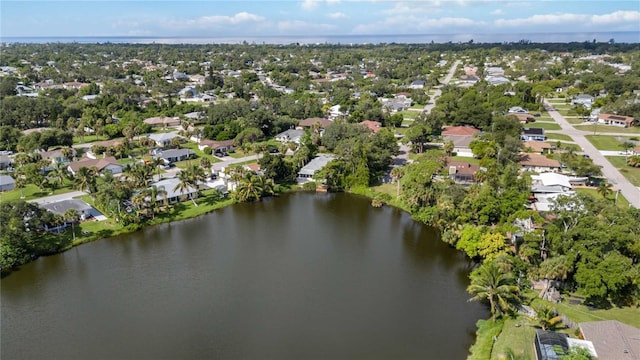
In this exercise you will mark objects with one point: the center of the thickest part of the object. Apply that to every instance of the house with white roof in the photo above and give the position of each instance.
(308, 171)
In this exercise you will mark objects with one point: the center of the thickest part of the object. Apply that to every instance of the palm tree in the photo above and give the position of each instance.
(249, 188)
(153, 194)
(85, 179)
(20, 183)
(72, 215)
(206, 164)
(448, 147)
(59, 173)
(397, 173)
(604, 189)
(187, 183)
(546, 318)
(489, 283)
(67, 152)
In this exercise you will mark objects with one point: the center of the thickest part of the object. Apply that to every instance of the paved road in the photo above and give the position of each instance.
(445, 81)
(614, 176)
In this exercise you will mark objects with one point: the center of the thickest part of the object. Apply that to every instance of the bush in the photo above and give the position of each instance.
(311, 185)
(207, 151)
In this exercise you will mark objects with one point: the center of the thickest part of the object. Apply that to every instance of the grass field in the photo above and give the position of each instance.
(622, 201)
(606, 142)
(598, 128)
(409, 114)
(31, 192)
(632, 174)
(556, 136)
(543, 125)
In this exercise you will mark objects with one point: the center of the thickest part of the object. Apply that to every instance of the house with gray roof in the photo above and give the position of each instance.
(308, 171)
(291, 135)
(173, 155)
(7, 183)
(174, 193)
(612, 339)
(61, 207)
(163, 139)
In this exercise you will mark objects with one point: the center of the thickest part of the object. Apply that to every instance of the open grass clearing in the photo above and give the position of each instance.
(31, 192)
(409, 114)
(542, 125)
(556, 136)
(631, 173)
(607, 142)
(621, 202)
(596, 128)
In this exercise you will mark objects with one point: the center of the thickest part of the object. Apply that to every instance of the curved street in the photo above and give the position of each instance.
(615, 178)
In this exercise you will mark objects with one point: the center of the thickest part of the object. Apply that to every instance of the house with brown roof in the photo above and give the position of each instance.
(540, 147)
(216, 146)
(612, 339)
(321, 123)
(538, 163)
(523, 118)
(616, 120)
(462, 172)
(162, 121)
(374, 126)
(103, 164)
(461, 136)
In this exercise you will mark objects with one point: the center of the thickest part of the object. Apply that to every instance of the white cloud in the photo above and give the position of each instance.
(310, 4)
(313, 4)
(617, 17)
(204, 22)
(497, 12)
(417, 24)
(618, 20)
(303, 26)
(337, 15)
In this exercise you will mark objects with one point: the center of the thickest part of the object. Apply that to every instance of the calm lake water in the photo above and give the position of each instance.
(302, 276)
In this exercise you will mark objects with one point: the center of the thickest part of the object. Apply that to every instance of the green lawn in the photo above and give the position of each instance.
(31, 192)
(606, 142)
(517, 335)
(574, 121)
(409, 114)
(470, 160)
(546, 126)
(599, 128)
(632, 174)
(87, 139)
(622, 201)
(556, 136)
(199, 153)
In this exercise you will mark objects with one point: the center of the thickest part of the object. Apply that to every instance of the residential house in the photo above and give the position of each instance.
(7, 183)
(546, 180)
(174, 193)
(6, 161)
(538, 163)
(291, 135)
(517, 110)
(216, 146)
(616, 120)
(308, 171)
(551, 345)
(417, 84)
(523, 118)
(612, 339)
(462, 172)
(108, 163)
(61, 207)
(540, 147)
(461, 136)
(497, 80)
(583, 99)
(162, 121)
(164, 139)
(533, 134)
(173, 155)
(56, 156)
(374, 126)
(311, 123)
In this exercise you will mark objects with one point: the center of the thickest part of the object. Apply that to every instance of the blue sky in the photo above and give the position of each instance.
(208, 18)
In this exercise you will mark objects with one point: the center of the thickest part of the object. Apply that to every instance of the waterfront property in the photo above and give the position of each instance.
(174, 193)
(308, 171)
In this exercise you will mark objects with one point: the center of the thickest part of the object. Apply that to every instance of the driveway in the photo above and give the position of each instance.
(612, 174)
(56, 198)
(438, 92)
